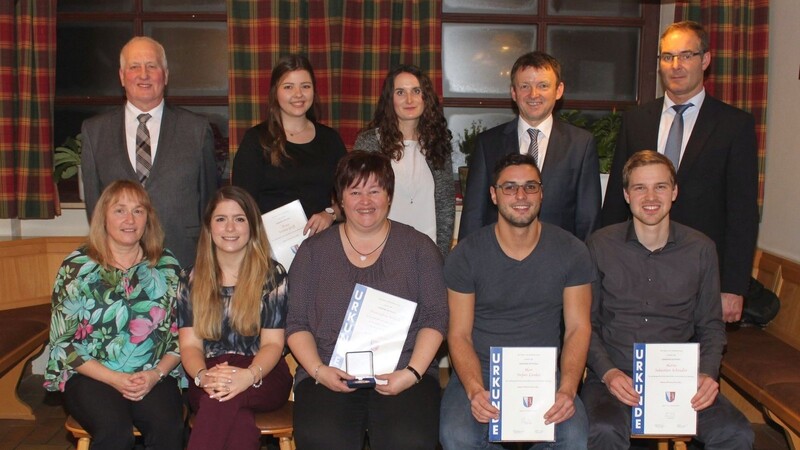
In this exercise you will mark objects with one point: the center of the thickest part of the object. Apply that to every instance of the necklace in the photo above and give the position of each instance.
(363, 256)
(136, 258)
(305, 125)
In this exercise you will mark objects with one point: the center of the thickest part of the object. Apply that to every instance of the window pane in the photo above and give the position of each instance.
(477, 59)
(197, 54)
(95, 6)
(87, 61)
(490, 6)
(605, 8)
(597, 63)
(459, 119)
(67, 120)
(184, 5)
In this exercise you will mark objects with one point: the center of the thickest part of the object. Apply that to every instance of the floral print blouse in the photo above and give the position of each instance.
(123, 319)
(274, 298)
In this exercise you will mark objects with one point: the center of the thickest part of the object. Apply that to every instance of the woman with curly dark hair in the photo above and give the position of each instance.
(409, 127)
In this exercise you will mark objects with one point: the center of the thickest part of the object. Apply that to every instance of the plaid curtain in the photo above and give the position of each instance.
(351, 44)
(27, 88)
(739, 36)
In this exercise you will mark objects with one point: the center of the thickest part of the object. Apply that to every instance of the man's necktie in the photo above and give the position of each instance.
(675, 137)
(533, 148)
(143, 159)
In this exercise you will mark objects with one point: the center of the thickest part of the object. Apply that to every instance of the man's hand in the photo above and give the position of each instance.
(482, 408)
(562, 409)
(621, 387)
(732, 307)
(707, 390)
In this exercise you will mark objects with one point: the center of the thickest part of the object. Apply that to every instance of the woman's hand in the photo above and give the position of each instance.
(226, 381)
(333, 378)
(317, 223)
(138, 385)
(398, 381)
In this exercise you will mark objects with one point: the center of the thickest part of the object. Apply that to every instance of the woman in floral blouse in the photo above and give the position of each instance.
(231, 314)
(113, 330)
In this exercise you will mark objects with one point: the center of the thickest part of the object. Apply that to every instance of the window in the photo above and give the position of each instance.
(90, 35)
(606, 48)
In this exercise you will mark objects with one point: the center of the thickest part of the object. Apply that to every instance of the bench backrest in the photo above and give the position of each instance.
(783, 277)
(28, 267)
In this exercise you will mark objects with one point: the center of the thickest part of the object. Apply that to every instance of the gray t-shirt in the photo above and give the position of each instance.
(517, 303)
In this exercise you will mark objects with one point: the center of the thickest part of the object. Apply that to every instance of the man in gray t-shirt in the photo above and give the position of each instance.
(511, 284)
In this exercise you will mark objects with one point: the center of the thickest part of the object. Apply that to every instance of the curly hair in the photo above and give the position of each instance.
(271, 134)
(434, 137)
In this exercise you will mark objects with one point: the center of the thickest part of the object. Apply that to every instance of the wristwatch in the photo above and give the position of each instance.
(198, 381)
(330, 211)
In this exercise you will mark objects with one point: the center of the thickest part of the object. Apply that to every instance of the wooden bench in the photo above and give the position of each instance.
(760, 370)
(27, 270)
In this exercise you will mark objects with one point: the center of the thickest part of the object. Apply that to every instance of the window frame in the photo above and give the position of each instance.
(648, 23)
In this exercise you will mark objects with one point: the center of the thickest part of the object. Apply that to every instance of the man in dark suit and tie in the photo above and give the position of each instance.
(566, 155)
(168, 149)
(713, 146)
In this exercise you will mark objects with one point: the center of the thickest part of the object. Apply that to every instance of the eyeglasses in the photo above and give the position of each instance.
(531, 187)
(682, 56)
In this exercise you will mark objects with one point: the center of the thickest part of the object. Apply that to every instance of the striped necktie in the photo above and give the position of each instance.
(533, 148)
(143, 160)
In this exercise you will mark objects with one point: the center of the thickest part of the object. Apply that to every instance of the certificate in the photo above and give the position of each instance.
(375, 321)
(665, 376)
(284, 227)
(523, 387)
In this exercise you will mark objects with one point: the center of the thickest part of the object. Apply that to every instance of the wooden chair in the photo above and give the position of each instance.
(665, 442)
(83, 437)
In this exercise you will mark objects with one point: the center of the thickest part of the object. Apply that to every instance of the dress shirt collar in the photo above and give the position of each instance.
(546, 127)
(696, 101)
(630, 236)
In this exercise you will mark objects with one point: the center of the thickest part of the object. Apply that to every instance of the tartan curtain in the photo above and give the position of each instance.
(739, 36)
(27, 89)
(351, 44)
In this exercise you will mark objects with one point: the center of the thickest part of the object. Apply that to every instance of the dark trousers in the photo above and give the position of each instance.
(720, 426)
(328, 420)
(231, 424)
(109, 417)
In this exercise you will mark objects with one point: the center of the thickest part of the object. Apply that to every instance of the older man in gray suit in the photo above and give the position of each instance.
(168, 149)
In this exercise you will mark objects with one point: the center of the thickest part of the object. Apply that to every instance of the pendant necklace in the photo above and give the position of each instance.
(305, 125)
(363, 256)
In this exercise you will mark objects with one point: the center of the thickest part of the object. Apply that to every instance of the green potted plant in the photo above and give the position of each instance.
(67, 161)
(466, 145)
(604, 129)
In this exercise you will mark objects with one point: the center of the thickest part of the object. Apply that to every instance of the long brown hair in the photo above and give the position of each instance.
(256, 273)
(434, 137)
(271, 134)
(152, 241)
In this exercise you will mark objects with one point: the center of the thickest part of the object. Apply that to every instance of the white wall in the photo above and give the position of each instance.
(780, 225)
(71, 222)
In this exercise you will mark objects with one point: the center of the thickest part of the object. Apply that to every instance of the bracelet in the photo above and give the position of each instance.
(159, 372)
(316, 371)
(260, 378)
(416, 374)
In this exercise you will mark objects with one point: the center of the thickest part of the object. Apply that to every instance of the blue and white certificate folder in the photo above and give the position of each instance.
(375, 321)
(665, 376)
(523, 387)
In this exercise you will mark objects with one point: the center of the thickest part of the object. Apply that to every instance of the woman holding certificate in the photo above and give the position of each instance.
(409, 127)
(368, 252)
(231, 315)
(290, 155)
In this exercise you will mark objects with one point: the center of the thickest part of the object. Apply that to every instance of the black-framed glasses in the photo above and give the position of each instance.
(531, 187)
(682, 56)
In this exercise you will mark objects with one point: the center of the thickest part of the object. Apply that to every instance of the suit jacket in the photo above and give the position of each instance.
(570, 179)
(182, 179)
(717, 181)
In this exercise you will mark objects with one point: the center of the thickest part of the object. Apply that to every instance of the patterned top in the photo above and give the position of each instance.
(273, 314)
(123, 319)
